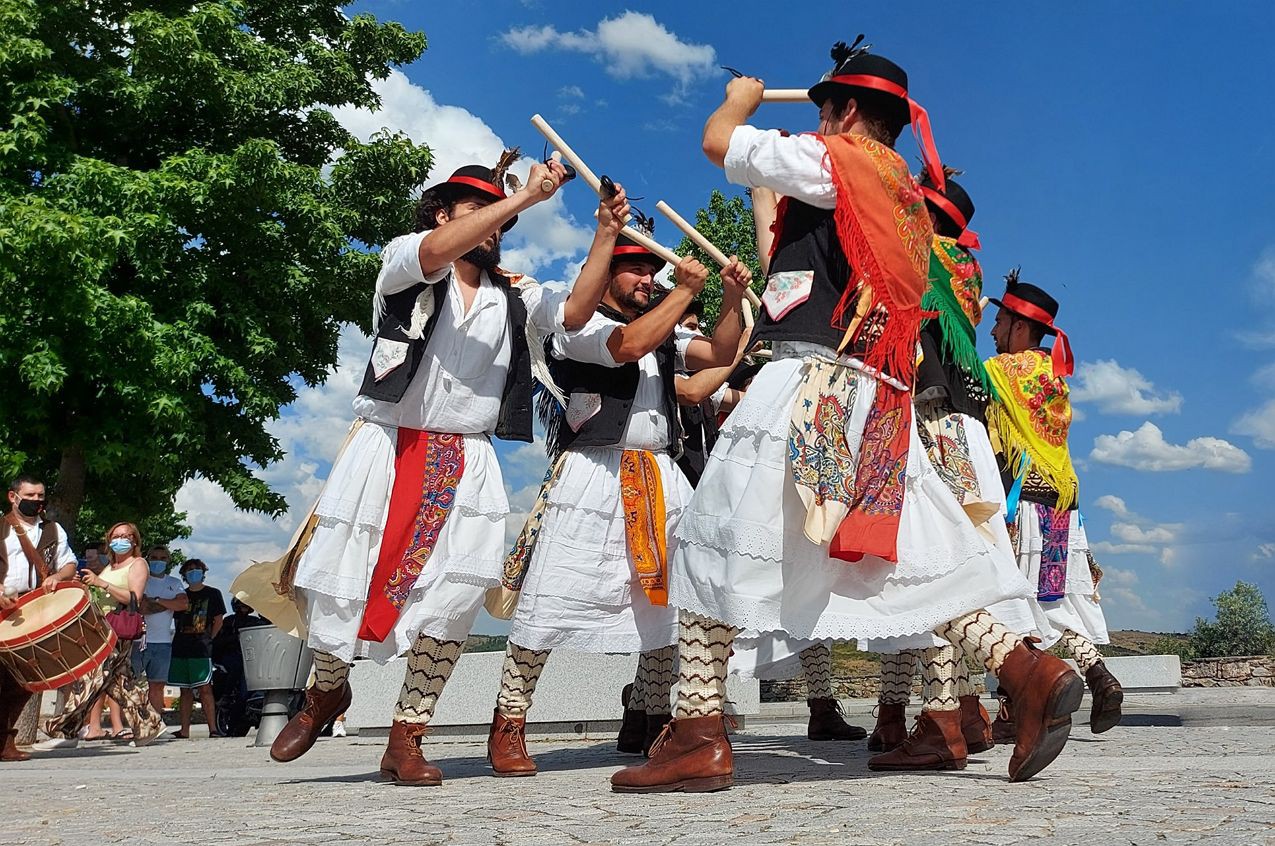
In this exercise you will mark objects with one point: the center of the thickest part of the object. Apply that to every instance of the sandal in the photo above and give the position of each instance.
(181, 735)
(123, 734)
(106, 735)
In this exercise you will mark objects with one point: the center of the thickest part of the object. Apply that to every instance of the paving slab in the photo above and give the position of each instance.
(1142, 785)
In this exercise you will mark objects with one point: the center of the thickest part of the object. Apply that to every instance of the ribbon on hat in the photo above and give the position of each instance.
(968, 238)
(920, 120)
(1063, 362)
(474, 182)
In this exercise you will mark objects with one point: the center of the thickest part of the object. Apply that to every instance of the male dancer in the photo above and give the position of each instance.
(801, 524)
(1029, 422)
(595, 547)
(409, 527)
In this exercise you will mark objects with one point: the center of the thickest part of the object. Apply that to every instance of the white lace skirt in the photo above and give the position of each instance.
(741, 555)
(333, 575)
(581, 591)
(1077, 610)
(772, 655)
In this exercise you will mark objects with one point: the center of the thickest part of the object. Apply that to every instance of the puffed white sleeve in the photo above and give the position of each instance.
(589, 344)
(791, 165)
(546, 304)
(65, 555)
(401, 265)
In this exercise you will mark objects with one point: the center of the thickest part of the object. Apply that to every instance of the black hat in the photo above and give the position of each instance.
(626, 249)
(953, 204)
(1030, 301)
(856, 69)
(470, 180)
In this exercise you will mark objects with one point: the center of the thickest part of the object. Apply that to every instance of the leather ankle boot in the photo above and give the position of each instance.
(507, 746)
(655, 724)
(891, 728)
(976, 725)
(1107, 695)
(1003, 731)
(692, 755)
(632, 738)
(299, 735)
(936, 743)
(1045, 692)
(403, 761)
(826, 722)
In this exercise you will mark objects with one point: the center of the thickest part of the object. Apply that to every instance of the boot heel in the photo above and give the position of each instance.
(958, 764)
(708, 785)
(1065, 698)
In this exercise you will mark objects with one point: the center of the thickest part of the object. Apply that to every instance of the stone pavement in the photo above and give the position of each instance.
(1149, 783)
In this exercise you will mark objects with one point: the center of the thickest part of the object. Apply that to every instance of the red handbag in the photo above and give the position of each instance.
(127, 623)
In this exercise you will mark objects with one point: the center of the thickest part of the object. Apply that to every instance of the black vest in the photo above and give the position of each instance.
(808, 241)
(514, 422)
(617, 387)
(940, 380)
(699, 434)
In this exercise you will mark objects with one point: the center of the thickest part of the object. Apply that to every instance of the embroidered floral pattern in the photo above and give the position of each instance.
(444, 461)
(883, 461)
(964, 275)
(818, 452)
(1043, 395)
(949, 452)
(1055, 527)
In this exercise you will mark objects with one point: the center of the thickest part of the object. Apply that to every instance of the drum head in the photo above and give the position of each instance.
(38, 614)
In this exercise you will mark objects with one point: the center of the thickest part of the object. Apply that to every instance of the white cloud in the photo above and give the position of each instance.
(1121, 390)
(630, 45)
(1258, 424)
(1265, 552)
(1146, 449)
(1264, 377)
(1114, 504)
(571, 92)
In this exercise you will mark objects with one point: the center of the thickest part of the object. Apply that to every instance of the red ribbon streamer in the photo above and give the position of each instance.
(1064, 363)
(920, 120)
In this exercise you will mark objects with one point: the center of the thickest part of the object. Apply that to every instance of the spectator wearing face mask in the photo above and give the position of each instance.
(194, 629)
(165, 595)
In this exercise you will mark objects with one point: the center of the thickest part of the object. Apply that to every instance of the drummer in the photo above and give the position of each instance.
(53, 555)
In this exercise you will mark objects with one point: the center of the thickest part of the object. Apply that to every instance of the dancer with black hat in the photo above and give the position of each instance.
(801, 523)
(407, 534)
(592, 558)
(1029, 421)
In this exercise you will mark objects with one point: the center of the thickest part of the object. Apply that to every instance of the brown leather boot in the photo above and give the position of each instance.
(403, 761)
(976, 725)
(1004, 733)
(1045, 692)
(1107, 695)
(691, 755)
(507, 747)
(299, 735)
(936, 743)
(891, 728)
(826, 722)
(632, 739)
(655, 724)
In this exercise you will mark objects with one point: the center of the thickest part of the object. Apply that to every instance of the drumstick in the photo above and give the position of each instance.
(651, 244)
(747, 311)
(785, 95)
(704, 244)
(570, 155)
(983, 303)
(546, 185)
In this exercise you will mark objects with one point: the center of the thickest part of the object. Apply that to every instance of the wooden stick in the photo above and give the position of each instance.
(704, 244)
(546, 185)
(748, 315)
(785, 95)
(983, 303)
(567, 153)
(651, 244)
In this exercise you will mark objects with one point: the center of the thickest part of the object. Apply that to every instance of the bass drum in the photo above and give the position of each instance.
(48, 640)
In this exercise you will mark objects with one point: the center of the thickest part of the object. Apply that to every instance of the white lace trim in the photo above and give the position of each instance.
(537, 638)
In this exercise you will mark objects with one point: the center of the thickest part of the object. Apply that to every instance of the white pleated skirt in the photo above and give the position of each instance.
(581, 591)
(334, 574)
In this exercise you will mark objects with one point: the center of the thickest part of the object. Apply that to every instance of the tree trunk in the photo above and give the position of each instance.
(68, 494)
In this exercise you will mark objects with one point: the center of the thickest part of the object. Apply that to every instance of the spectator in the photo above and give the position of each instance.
(195, 628)
(232, 690)
(164, 596)
(94, 561)
(123, 576)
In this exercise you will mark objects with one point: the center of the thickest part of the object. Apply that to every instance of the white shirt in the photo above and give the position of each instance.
(791, 165)
(648, 425)
(461, 379)
(159, 626)
(19, 575)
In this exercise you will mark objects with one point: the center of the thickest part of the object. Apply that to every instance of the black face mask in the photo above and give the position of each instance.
(30, 507)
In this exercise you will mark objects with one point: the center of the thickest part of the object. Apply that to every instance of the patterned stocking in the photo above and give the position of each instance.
(896, 677)
(964, 687)
(981, 635)
(653, 684)
(1082, 649)
(330, 672)
(703, 649)
(518, 679)
(816, 663)
(938, 679)
(429, 666)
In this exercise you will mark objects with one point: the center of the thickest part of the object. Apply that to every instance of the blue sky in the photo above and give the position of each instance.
(1120, 153)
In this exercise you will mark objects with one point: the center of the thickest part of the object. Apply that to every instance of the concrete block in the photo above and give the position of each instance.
(575, 688)
(1137, 673)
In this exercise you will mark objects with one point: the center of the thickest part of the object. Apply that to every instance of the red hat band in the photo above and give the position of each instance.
(1063, 361)
(968, 237)
(920, 120)
(475, 182)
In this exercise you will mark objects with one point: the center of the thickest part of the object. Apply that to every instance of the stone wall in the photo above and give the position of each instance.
(1254, 671)
(845, 687)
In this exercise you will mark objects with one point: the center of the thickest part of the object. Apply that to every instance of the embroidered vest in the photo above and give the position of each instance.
(46, 545)
(617, 388)
(514, 421)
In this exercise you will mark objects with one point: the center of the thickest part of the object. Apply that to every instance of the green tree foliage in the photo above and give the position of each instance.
(1243, 625)
(728, 224)
(180, 227)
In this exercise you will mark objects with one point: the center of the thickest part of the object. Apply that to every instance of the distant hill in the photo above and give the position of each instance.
(485, 643)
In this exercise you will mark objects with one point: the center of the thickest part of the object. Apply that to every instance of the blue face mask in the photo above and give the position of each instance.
(121, 545)
(158, 567)
(195, 577)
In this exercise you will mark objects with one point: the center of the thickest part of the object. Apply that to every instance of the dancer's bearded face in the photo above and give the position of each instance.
(632, 283)
(486, 255)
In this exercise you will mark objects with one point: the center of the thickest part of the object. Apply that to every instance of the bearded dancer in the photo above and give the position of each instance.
(594, 550)
(825, 544)
(408, 530)
(1030, 421)
(950, 398)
